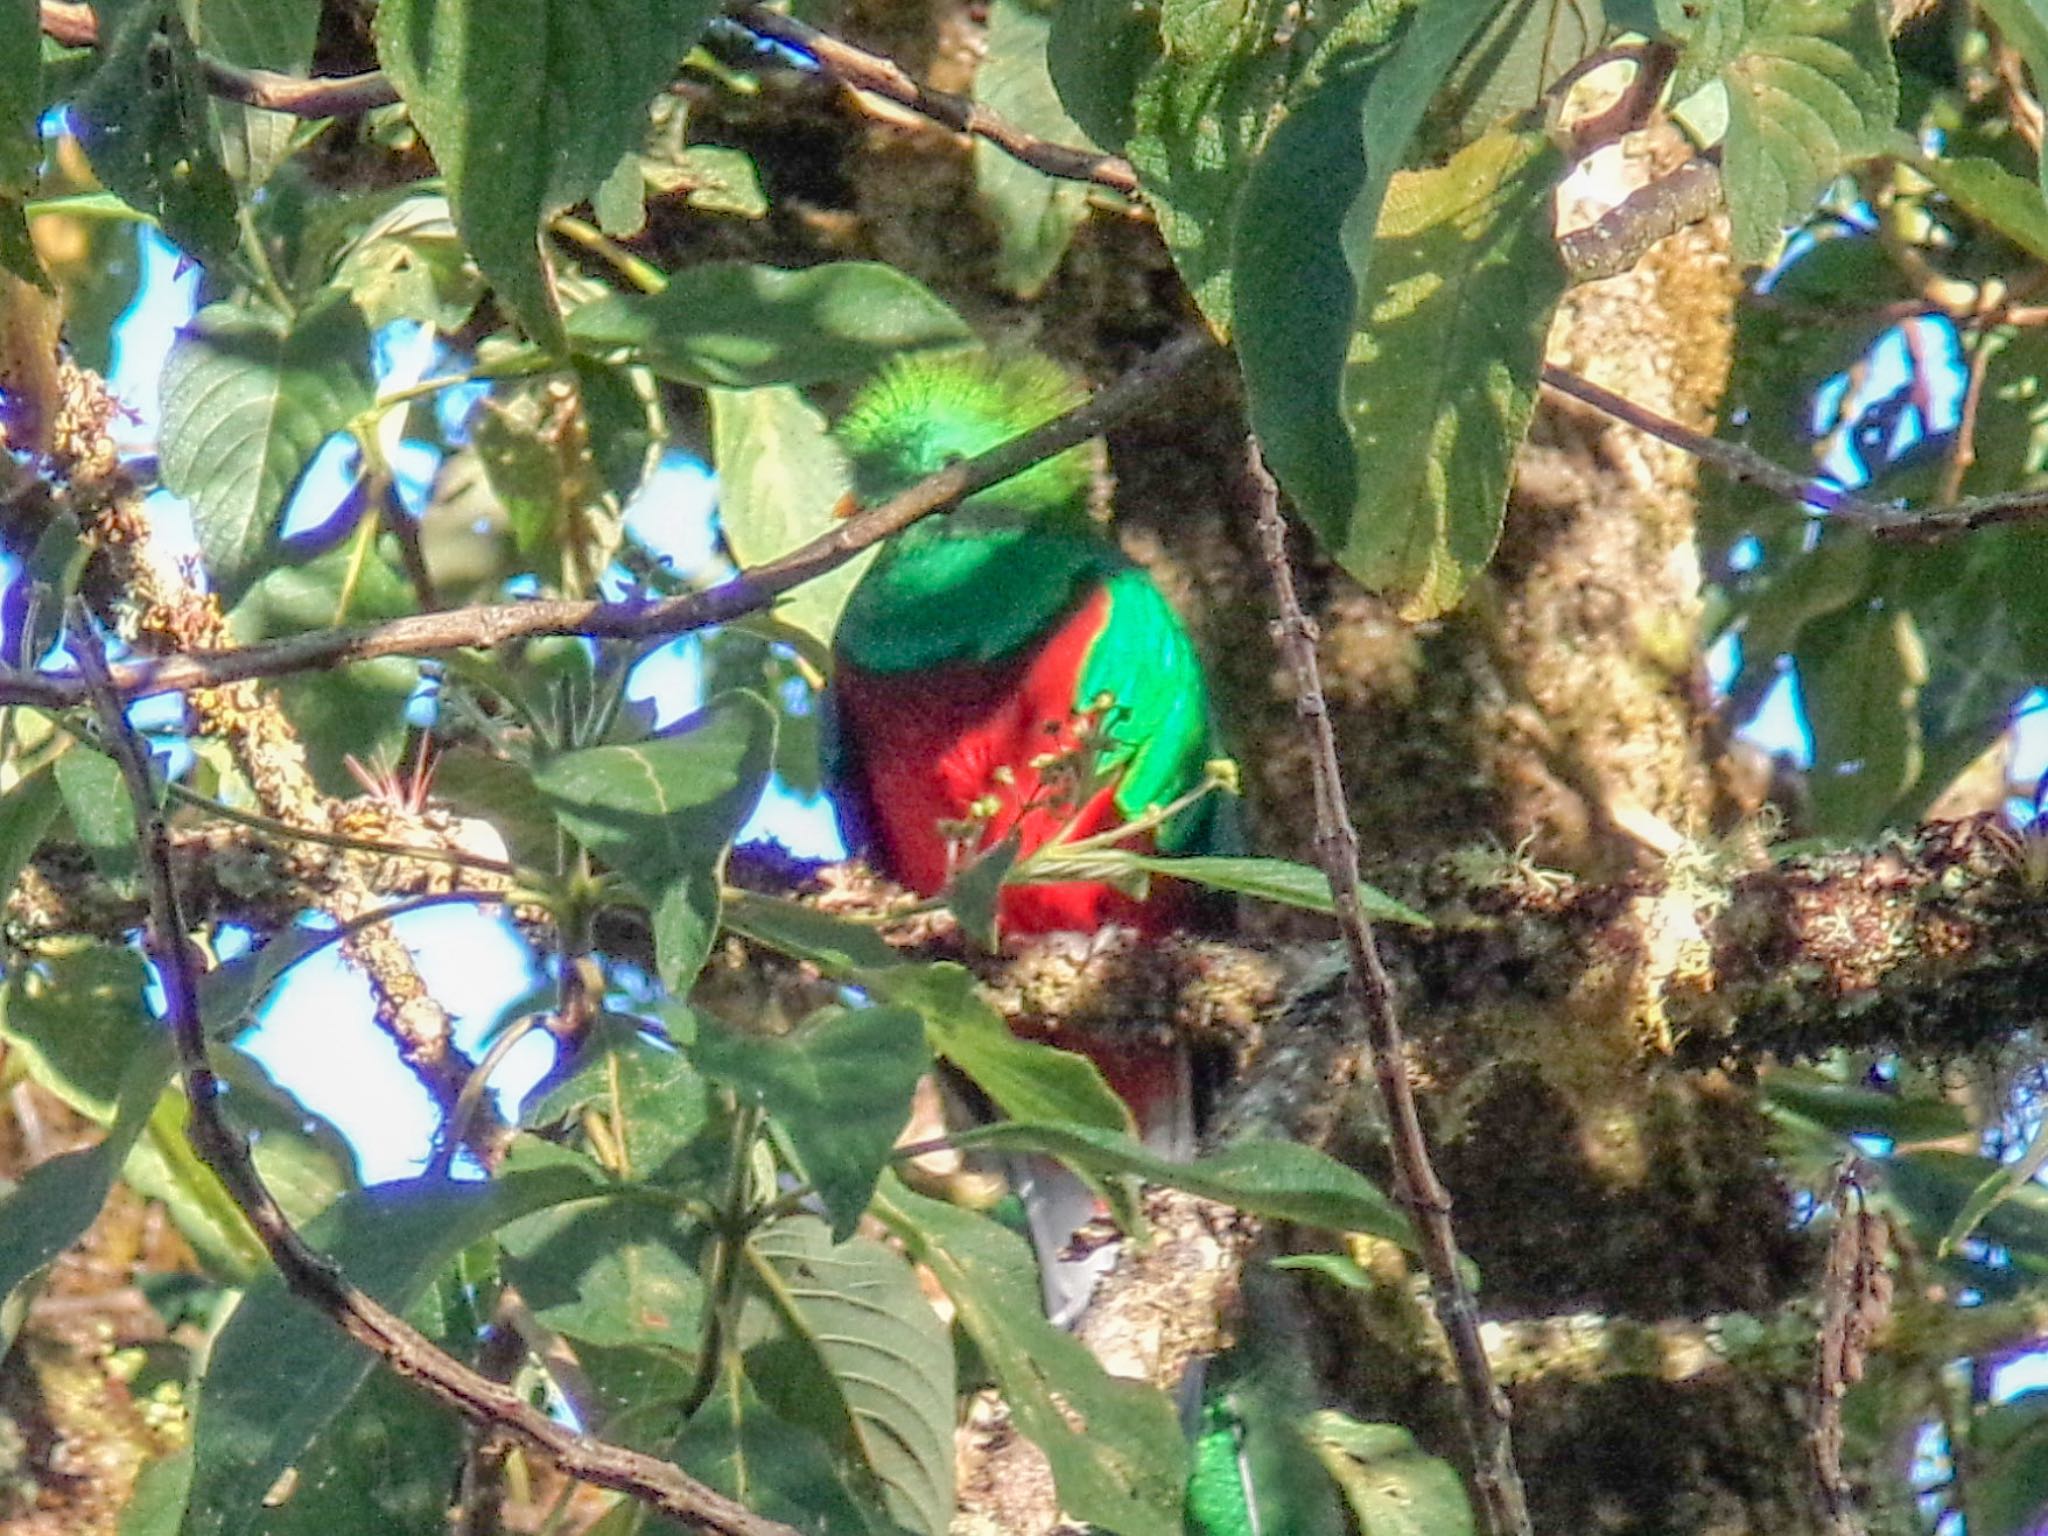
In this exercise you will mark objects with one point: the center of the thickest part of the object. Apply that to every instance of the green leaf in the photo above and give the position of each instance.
(1521, 52)
(301, 1158)
(2008, 1460)
(248, 400)
(76, 1016)
(55, 1201)
(841, 949)
(410, 264)
(1811, 89)
(1035, 215)
(1199, 116)
(17, 250)
(1393, 1486)
(26, 814)
(1114, 1446)
(1280, 881)
(497, 790)
(973, 893)
(385, 1464)
(664, 812)
(527, 105)
(1851, 1110)
(740, 326)
(1434, 387)
(839, 1086)
(862, 1361)
(96, 800)
(717, 179)
(21, 97)
(737, 1446)
(1860, 673)
(618, 1269)
(1987, 191)
(149, 127)
(1280, 1180)
(1097, 52)
(649, 1093)
(1027, 1079)
(157, 1506)
(781, 478)
(280, 1373)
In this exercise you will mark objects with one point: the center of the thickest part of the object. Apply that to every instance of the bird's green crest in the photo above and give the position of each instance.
(926, 411)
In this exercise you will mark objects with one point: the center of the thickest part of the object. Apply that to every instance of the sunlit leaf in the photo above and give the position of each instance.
(248, 400)
(862, 1361)
(739, 326)
(840, 1088)
(781, 476)
(664, 812)
(737, 1445)
(1035, 215)
(521, 127)
(1114, 1446)
(1393, 1486)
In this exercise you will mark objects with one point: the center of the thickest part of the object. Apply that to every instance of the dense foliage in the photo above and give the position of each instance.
(705, 1208)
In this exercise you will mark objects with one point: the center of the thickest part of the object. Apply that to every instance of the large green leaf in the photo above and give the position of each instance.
(96, 800)
(861, 1359)
(1394, 1487)
(664, 812)
(1035, 215)
(248, 400)
(300, 1157)
(781, 477)
(1114, 1446)
(148, 127)
(1096, 52)
(736, 1444)
(1199, 116)
(2008, 1451)
(1276, 880)
(55, 1201)
(617, 1269)
(739, 326)
(839, 1086)
(1986, 190)
(1283, 1180)
(1860, 673)
(77, 1019)
(1811, 89)
(527, 105)
(26, 814)
(650, 1095)
(280, 1373)
(1027, 1079)
(1523, 50)
(1403, 467)
(1852, 1110)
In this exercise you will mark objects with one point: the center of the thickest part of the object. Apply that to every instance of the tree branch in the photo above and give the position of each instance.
(748, 592)
(864, 71)
(1616, 240)
(308, 1275)
(1416, 1184)
(1903, 525)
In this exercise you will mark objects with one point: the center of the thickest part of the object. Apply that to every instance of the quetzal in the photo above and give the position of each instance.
(989, 653)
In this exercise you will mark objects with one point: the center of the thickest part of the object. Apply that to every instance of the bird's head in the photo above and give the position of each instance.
(926, 411)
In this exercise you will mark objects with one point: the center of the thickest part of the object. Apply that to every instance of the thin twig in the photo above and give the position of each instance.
(1742, 465)
(750, 591)
(76, 26)
(1485, 1407)
(865, 71)
(1855, 1294)
(307, 1274)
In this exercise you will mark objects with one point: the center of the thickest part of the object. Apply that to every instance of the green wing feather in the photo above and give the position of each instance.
(1144, 660)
